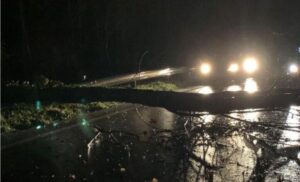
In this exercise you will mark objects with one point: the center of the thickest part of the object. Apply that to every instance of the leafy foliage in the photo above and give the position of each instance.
(23, 116)
(39, 82)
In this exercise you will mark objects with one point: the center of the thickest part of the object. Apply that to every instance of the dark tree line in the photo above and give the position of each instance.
(67, 39)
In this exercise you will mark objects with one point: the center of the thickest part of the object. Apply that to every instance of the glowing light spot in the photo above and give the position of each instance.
(233, 88)
(250, 85)
(233, 68)
(38, 127)
(250, 65)
(205, 68)
(55, 124)
(293, 68)
(38, 105)
(205, 90)
(84, 122)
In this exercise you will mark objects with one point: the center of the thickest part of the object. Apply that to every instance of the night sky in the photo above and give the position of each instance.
(65, 39)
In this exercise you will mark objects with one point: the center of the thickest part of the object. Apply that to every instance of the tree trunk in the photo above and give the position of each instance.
(175, 101)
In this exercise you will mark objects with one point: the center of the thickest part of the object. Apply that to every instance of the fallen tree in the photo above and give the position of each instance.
(175, 101)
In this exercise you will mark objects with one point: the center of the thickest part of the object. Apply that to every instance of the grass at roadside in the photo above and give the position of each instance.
(24, 116)
(158, 85)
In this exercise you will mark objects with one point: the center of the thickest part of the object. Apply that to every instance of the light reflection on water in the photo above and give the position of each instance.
(231, 153)
(227, 157)
(250, 85)
(205, 90)
(291, 137)
(233, 88)
(252, 115)
(208, 118)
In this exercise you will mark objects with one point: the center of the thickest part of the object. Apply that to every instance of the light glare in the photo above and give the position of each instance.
(205, 68)
(293, 68)
(205, 90)
(166, 71)
(250, 85)
(234, 88)
(233, 68)
(84, 122)
(250, 65)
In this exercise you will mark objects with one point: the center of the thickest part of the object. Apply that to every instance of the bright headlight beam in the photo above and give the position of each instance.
(293, 68)
(205, 68)
(166, 71)
(233, 68)
(250, 65)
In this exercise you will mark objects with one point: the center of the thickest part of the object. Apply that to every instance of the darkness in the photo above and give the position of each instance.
(66, 39)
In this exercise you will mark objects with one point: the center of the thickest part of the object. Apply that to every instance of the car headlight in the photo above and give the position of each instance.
(205, 68)
(293, 68)
(250, 65)
(233, 68)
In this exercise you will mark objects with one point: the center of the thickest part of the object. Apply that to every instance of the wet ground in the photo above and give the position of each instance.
(152, 144)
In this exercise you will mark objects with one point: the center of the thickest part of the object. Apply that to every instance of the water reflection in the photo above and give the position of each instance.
(209, 118)
(250, 85)
(233, 88)
(152, 143)
(251, 115)
(153, 118)
(225, 161)
(292, 134)
(205, 90)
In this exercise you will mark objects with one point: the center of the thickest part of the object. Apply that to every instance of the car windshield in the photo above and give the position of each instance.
(150, 90)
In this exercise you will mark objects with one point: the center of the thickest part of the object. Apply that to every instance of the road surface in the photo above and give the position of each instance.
(138, 143)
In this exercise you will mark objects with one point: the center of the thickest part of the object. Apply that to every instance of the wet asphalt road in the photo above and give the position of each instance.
(138, 143)
(145, 143)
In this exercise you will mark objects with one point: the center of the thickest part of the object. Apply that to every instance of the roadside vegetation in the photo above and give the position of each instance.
(158, 85)
(24, 116)
(27, 115)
